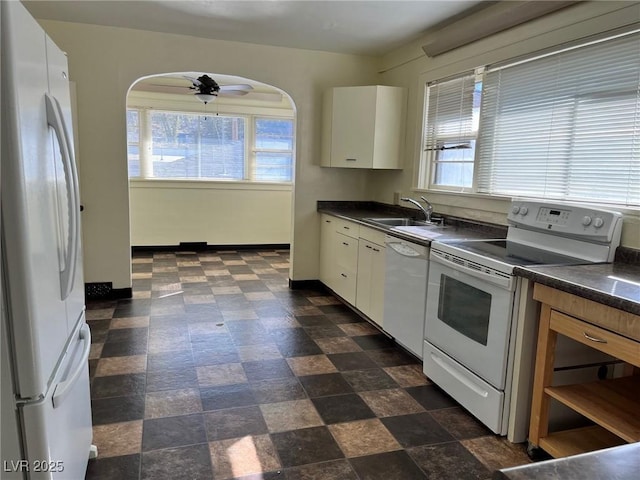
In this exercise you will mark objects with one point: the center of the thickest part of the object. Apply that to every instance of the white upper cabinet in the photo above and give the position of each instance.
(363, 127)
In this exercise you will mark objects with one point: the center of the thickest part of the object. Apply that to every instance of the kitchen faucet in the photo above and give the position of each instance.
(427, 211)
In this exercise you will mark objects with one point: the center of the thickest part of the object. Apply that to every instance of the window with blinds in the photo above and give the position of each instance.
(451, 128)
(565, 126)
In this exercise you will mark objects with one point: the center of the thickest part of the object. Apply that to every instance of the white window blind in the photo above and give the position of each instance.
(564, 126)
(451, 129)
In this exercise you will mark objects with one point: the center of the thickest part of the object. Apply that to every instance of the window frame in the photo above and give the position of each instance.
(255, 150)
(249, 141)
(430, 156)
(425, 172)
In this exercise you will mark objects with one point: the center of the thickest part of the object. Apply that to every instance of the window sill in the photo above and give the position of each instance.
(208, 184)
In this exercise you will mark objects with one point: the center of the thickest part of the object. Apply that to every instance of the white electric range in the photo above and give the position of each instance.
(481, 322)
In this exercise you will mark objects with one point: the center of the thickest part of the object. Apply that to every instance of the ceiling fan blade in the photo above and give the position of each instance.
(195, 81)
(235, 87)
(232, 93)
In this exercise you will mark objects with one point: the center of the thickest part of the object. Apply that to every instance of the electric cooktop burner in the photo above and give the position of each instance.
(513, 253)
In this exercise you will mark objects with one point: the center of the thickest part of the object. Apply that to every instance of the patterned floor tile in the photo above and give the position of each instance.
(235, 422)
(363, 437)
(115, 439)
(183, 463)
(250, 455)
(121, 365)
(387, 403)
(384, 466)
(449, 461)
(216, 369)
(173, 432)
(172, 402)
(342, 408)
(309, 445)
(311, 365)
(291, 415)
(325, 384)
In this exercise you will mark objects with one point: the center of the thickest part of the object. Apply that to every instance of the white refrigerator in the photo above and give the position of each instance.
(45, 399)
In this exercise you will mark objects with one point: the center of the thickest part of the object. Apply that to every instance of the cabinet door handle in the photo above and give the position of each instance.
(368, 246)
(376, 249)
(343, 275)
(345, 243)
(346, 228)
(593, 339)
(327, 221)
(351, 159)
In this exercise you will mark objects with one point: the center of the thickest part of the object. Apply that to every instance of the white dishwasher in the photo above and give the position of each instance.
(405, 292)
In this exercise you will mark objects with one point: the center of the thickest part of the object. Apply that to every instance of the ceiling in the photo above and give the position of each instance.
(365, 27)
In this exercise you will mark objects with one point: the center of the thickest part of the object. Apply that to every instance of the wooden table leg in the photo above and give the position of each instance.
(545, 357)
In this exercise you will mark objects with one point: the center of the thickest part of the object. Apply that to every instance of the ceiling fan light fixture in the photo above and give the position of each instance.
(205, 97)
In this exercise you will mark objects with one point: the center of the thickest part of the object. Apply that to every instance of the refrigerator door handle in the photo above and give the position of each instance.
(56, 121)
(64, 388)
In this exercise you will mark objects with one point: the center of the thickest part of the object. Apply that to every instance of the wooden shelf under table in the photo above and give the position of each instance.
(612, 404)
(579, 440)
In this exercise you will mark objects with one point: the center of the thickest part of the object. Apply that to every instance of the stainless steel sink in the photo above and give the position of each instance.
(401, 222)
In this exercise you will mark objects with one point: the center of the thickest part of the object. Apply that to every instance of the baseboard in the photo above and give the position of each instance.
(306, 285)
(105, 291)
(204, 247)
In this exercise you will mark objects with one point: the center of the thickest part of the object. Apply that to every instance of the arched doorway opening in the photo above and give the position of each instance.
(219, 173)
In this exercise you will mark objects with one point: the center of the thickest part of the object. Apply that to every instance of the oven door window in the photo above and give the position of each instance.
(465, 308)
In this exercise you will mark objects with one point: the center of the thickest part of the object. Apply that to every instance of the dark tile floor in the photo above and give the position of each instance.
(217, 370)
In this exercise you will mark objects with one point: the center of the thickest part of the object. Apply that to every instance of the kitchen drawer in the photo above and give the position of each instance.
(608, 342)
(346, 227)
(372, 235)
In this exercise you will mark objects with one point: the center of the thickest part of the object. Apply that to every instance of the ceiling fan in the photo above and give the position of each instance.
(207, 89)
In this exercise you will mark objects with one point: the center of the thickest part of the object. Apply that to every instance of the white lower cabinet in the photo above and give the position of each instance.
(339, 256)
(370, 282)
(327, 247)
(347, 267)
(352, 264)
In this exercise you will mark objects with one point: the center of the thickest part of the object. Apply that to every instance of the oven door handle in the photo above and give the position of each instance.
(501, 280)
(458, 376)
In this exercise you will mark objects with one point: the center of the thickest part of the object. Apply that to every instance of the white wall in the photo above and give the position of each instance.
(220, 213)
(411, 68)
(105, 61)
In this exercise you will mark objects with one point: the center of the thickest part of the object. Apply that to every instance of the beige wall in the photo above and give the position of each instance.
(170, 212)
(105, 61)
(409, 67)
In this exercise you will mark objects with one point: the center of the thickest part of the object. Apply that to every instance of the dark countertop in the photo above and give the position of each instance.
(614, 284)
(617, 463)
(455, 228)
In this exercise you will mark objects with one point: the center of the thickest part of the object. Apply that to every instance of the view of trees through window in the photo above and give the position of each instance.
(217, 147)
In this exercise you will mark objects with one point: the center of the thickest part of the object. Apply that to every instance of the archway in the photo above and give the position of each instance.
(215, 174)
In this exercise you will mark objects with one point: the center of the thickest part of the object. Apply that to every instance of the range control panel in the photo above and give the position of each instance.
(565, 219)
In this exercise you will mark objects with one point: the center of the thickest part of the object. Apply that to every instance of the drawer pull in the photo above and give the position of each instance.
(345, 243)
(346, 228)
(376, 249)
(368, 246)
(351, 159)
(343, 275)
(593, 339)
